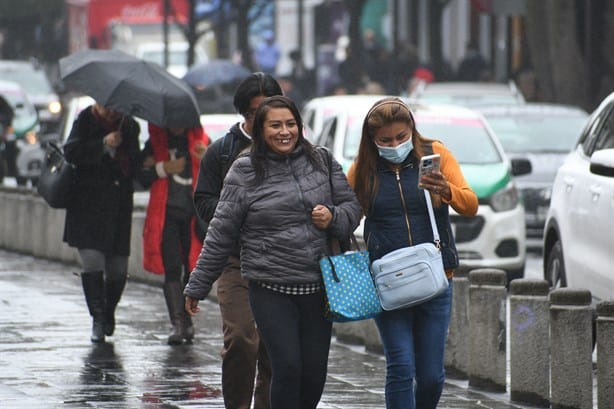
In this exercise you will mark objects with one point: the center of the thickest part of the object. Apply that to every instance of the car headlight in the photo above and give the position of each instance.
(505, 199)
(546, 193)
(55, 107)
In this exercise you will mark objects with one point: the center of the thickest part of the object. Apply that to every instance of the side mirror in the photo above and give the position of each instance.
(602, 162)
(521, 166)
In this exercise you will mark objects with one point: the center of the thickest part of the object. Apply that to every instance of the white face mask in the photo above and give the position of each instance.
(397, 154)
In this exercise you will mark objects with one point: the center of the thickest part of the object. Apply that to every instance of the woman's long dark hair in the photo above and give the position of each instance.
(384, 112)
(260, 148)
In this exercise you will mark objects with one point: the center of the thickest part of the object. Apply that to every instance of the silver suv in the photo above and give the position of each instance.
(579, 232)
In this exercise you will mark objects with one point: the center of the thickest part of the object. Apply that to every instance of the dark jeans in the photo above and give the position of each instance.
(297, 339)
(414, 342)
(176, 247)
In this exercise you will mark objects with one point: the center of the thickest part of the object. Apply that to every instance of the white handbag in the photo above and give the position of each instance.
(411, 275)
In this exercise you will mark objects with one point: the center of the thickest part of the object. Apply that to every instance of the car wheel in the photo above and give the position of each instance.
(21, 181)
(555, 267)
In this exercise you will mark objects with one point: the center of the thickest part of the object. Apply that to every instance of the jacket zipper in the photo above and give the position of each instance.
(407, 224)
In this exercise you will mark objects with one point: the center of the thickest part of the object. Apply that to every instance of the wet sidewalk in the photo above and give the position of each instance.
(47, 360)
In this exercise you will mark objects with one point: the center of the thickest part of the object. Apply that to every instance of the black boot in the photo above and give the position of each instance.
(93, 288)
(173, 294)
(113, 290)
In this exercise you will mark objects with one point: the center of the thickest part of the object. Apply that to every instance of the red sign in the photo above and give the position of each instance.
(100, 13)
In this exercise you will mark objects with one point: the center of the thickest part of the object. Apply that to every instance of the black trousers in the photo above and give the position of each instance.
(176, 246)
(297, 339)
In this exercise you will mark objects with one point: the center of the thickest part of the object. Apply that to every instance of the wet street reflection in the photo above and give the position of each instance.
(102, 378)
(178, 380)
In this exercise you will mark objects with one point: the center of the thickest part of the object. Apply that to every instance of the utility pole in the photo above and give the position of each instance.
(167, 11)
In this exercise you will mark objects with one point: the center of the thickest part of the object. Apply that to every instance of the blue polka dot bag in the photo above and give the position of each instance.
(350, 291)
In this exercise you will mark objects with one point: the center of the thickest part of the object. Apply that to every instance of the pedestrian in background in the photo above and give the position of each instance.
(103, 145)
(267, 54)
(385, 179)
(243, 350)
(279, 204)
(171, 158)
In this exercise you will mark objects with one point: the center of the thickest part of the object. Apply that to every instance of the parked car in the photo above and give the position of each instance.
(579, 232)
(544, 134)
(317, 110)
(22, 153)
(495, 237)
(469, 94)
(35, 82)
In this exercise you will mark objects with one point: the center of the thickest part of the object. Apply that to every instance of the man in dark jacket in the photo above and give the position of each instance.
(243, 351)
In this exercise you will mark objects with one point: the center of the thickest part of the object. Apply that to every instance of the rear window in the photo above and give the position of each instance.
(466, 138)
(537, 134)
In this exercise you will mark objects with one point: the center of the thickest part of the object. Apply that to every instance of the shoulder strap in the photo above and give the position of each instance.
(227, 147)
(429, 206)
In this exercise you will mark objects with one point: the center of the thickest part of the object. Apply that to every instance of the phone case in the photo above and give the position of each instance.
(428, 164)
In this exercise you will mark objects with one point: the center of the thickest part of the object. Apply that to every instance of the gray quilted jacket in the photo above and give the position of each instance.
(272, 221)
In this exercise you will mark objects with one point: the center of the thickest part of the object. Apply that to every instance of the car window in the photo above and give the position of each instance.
(352, 136)
(327, 139)
(589, 139)
(537, 133)
(466, 138)
(605, 134)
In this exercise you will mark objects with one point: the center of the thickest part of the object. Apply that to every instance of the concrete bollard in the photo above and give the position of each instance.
(456, 357)
(373, 342)
(487, 316)
(350, 332)
(529, 333)
(605, 355)
(38, 232)
(571, 376)
(4, 217)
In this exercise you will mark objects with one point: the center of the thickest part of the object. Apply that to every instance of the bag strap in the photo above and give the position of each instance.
(329, 158)
(429, 206)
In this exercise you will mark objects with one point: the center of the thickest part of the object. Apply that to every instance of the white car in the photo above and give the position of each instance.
(579, 232)
(217, 125)
(543, 133)
(495, 237)
(469, 94)
(317, 110)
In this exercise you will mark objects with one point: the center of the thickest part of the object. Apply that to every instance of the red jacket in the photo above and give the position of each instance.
(156, 209)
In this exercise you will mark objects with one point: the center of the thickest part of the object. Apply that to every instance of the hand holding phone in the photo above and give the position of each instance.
(428, 164)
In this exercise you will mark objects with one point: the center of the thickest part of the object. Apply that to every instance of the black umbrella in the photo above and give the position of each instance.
(132, 86)
(215, 72)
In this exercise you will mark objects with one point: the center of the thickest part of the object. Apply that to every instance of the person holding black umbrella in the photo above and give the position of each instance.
(103, 145)
(170, 243)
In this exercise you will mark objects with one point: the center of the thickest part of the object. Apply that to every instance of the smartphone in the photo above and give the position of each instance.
(428, 164)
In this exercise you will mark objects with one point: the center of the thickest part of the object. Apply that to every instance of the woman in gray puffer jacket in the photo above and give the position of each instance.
(281, 202)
